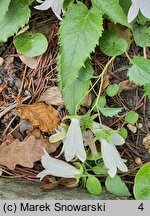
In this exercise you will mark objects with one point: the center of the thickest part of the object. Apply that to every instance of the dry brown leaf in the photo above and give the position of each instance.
(52, 96)
(40, 114)
(106, 81)
(146, 142)
(87, 100)
(49, 186)
(127, 85)
(31, 62)
(1, 61)
(68, 182)
(25, 153)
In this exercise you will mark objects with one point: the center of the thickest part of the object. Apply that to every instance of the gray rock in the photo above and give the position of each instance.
(11, 189)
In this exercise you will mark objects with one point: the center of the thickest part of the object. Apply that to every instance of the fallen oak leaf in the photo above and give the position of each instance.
(25, 153)
(41, 115)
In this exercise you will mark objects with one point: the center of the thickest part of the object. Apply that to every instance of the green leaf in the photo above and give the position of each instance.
(142, 183)
(131, 117)
(99, 170)
(116, 186)
(101, 102)
(147, 90)
(66, 3)
(4, 4)
(110, 112)
(73, 95)
(93, 185)
(112, 90)
(112, 45)
(31, 44)
(113, 10)
(141, 35)
(125, 5)
(123, 132)
(139, 73)
(79, 33)
(16, 17)
(86, 73)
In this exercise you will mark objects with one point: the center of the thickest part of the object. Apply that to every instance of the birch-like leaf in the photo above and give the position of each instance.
(113, 10)
(16, 17)
(4, 4)
(79, 33)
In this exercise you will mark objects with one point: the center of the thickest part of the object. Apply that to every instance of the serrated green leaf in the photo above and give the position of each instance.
(142, 183)
(73, 95)
(79, 33)
(112, 45)
(4, 4)
(131, 117)
(93, 185)
(139, 73)
(16, 17)
(110, 112)
(116, 186)
(141, 35)
(113, 10)
(31, 44)
(100, 103)
(112, 90)
(147, 90)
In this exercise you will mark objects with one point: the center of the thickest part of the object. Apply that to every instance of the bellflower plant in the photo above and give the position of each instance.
(139, 5)
(110, 155)
(56, 5)
(72, 139)
(56, 167)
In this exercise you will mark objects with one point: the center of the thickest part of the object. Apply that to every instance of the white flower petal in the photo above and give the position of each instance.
(45, 5)
(56, 167)
(73, 144)
(108, 158)
(57, 7)
(116, 139)
(112, 158)
(133, 10)
(145, 8)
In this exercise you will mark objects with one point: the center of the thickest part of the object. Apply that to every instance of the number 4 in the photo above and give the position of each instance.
(141, 207)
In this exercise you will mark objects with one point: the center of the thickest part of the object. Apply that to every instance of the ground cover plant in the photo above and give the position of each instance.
(74, 94)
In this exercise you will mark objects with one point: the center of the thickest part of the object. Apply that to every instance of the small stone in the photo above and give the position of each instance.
(140, 125)
(132, 128)
(138, 161)
(1, 61)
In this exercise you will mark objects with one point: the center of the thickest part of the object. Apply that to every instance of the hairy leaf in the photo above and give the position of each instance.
(139, 73)
(93, 185)
(16, 17)
(73, 95)
(113, 10)
(116, 186)
(79, 33)
(141, 35)
(4, 4)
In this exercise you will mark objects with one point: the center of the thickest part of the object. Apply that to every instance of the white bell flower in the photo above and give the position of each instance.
(73, 144)
(139, 5)
(110, 155)
(56, 167)
(56, 5)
